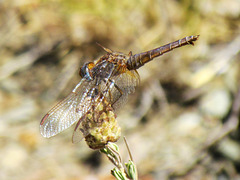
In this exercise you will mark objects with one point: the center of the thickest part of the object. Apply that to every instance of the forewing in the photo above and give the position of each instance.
(67, 111)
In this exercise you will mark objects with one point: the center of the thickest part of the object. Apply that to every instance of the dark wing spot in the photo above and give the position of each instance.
(43, 119)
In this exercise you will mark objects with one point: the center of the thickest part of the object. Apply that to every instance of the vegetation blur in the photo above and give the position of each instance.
(181, 123)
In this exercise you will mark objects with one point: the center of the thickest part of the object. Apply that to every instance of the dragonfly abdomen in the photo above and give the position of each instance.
(138, 60)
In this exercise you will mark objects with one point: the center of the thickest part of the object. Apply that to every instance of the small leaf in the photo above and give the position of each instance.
(119, 175)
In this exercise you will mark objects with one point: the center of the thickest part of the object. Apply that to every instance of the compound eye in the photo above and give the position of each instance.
(82, 70)
(85, 71)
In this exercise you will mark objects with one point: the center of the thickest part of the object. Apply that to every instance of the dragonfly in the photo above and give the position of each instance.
(104, 88)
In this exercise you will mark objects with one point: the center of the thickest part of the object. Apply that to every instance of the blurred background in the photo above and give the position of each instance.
(181, 123)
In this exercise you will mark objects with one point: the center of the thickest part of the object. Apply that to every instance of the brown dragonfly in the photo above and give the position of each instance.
(104, 88)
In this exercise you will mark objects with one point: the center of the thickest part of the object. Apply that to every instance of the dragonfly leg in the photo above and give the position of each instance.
(119, 89)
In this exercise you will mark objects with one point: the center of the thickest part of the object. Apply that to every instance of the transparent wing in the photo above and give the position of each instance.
(67, 111)
(124, 84)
